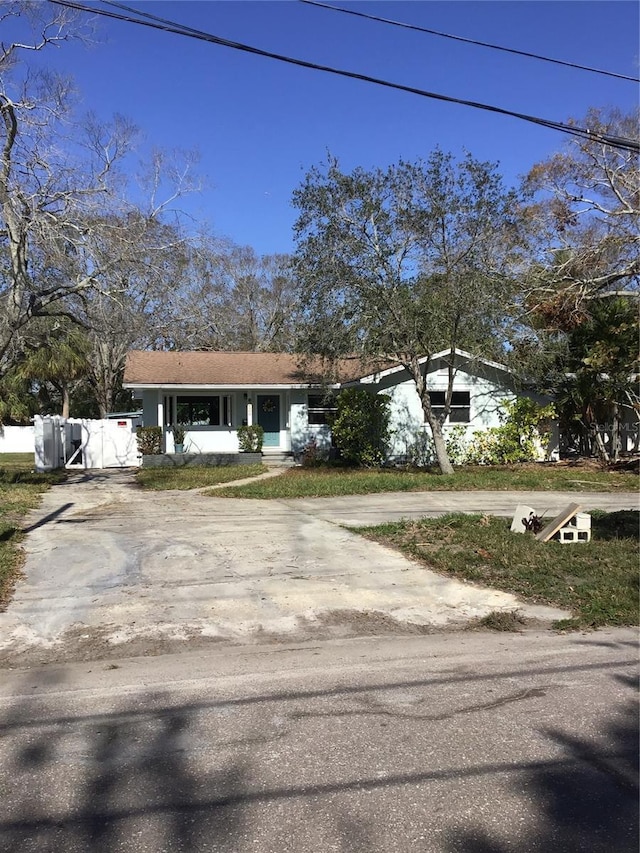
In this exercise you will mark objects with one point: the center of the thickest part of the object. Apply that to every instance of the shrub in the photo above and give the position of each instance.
(517, 439)
(149, 440)
(250, 438)
(361, 427)
(528, 423)
(179, 433)
(457, 445)
(313, 455)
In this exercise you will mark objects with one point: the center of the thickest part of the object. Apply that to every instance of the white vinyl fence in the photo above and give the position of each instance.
(17, 439)
(84, 444)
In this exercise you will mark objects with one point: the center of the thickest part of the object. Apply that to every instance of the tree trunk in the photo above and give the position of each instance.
(599, 444)
(615, 433)
(440, 447)
(442, 457)
(103, 408)
(66, 401)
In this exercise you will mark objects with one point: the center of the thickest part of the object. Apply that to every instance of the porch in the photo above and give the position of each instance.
(211, 419)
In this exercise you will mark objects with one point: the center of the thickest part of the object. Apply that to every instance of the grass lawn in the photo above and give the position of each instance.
(334, 481)
(17, 462)
(195, 477)
(20, 490)
(596, 581)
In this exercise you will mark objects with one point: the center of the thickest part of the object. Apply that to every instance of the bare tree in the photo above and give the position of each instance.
(585, 221)
(67, 229)
(132, 307)
(232, 299)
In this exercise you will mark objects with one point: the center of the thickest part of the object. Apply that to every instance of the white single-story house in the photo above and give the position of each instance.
(213, 393)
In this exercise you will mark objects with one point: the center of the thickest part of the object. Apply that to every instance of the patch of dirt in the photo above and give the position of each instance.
(368, 623)
(629, 465)
(95, 644)
(101, 510)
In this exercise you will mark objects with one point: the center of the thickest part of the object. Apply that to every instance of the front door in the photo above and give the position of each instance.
(268, 406)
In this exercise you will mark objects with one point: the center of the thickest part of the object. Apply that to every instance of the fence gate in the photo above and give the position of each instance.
(84, 444)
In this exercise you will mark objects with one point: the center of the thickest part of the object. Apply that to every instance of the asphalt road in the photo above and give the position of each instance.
(455, 742)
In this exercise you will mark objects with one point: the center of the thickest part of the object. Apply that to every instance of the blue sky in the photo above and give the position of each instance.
(259, 125)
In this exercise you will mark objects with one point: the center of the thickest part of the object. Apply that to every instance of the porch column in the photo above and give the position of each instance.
(249, 411)
(160, 422)
(287, 421)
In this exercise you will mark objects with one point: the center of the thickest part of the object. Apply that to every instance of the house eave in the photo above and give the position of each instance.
(163, 386)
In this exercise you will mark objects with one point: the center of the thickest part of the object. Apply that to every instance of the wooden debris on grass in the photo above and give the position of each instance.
(558, 522)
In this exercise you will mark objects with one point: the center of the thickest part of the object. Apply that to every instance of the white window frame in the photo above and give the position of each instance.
(225, 410)
(457, 408)
(325, 405)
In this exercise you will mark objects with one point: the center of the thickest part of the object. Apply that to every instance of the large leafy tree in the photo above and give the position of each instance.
(400, 263)
(55, 358)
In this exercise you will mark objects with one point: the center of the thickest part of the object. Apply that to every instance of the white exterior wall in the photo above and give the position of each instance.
(17, 439)
(302, 432)
(206, 440)
(150, 407)
(211, 439)
(407, 419)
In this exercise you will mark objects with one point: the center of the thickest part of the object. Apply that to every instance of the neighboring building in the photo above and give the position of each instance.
(213, 393)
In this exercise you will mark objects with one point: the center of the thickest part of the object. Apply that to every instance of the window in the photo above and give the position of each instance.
(460, 406)
(204, 411)
(320, 408)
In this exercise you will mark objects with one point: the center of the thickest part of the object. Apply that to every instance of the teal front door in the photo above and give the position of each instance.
(268, 406)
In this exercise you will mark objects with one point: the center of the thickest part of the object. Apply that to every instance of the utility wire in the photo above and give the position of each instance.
(178, 29)
(469, 41)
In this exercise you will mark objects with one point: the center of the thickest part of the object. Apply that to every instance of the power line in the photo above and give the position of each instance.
(165, 25)
(469, 41)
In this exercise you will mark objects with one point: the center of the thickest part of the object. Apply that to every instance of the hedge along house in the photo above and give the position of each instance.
(213, 393)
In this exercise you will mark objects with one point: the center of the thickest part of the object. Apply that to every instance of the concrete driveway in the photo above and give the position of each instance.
(363, 510)
(113, 570)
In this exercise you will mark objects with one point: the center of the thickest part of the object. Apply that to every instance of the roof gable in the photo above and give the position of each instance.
(438, 360)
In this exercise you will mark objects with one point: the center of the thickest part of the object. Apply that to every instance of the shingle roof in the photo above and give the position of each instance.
(232, 368)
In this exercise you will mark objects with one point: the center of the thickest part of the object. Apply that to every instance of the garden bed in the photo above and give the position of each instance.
(200, 460)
